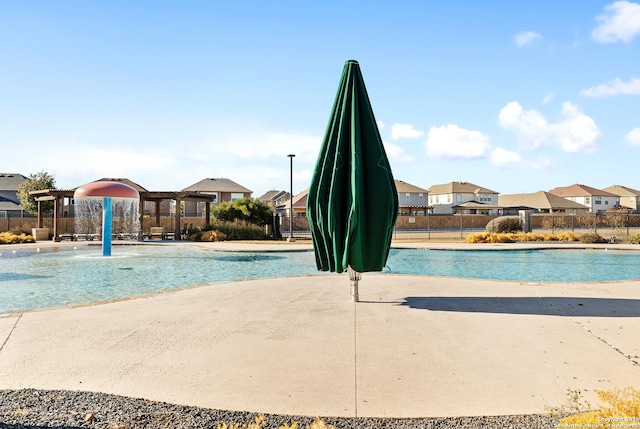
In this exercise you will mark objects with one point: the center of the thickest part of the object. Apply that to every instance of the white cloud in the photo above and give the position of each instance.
(633, 138)
(615, 87)
(268, 144)
(548, 97)
(405, 131)
(530, 127)
(451, 141)
(396, 153)
(503, 158)
(380, 125)
(577, 132)
(619, 23)
(526, 38)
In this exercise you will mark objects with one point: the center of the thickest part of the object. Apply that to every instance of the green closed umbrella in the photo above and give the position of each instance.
(352, 203)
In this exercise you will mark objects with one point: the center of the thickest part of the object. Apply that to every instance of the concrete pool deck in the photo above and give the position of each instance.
(413, 347)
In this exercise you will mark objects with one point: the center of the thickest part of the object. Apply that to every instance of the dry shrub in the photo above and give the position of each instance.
(592, 238)
(488, 237)
(478, 237)
(567, 236)
(634, 238)
(213, 236)
(623, 411)
(11, 238)
(504, 224)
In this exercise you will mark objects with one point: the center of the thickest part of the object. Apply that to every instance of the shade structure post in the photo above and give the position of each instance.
(355, 277)
(107, 217)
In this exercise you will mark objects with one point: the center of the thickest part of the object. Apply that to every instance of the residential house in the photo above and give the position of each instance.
(596, 200)
(299, 202)
(275, 198)
(462, 197)
(629, 198)
(9, 201)
(220, 189)
(540, 202)
(412, 200)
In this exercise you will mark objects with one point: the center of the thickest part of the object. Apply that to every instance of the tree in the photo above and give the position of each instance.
(36, 182)
(254, 211)
(249, 210)
(225, 212)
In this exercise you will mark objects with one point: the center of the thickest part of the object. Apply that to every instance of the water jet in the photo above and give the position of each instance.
(106, 195)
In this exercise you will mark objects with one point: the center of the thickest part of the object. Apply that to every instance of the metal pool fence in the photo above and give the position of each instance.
(429, 227)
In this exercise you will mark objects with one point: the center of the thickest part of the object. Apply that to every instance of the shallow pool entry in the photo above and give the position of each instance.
(32, 279)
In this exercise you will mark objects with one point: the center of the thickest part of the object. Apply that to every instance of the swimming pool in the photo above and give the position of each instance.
(31, 280)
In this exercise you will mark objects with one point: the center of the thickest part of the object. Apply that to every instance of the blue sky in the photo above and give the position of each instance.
(515, 97)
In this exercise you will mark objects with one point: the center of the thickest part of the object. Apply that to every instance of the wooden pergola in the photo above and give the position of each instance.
(58, 196)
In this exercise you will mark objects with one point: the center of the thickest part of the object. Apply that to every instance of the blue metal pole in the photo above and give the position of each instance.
(107, 217)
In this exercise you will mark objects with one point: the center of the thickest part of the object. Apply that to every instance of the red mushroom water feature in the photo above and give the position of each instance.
(106, 191)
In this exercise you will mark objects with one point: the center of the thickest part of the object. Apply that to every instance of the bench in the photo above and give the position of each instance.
(156, 232)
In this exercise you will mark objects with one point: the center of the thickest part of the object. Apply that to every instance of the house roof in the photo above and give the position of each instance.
(217, 185)
(622, 191)
(10, 181)
(579, 190)
(9, 196)
(403, 187)
(299, 200)
(459, 188)
(274, 195)
(538, 200)
(9, 206)
(477, 205)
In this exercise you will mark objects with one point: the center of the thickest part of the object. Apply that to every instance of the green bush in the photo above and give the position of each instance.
(504, 224)
(592, 238)
(229, 232)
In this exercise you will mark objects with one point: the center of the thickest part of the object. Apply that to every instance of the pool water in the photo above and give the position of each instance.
(555, 265)
(31, 280)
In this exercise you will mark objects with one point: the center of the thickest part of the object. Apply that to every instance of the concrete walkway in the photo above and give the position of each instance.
(413, 347)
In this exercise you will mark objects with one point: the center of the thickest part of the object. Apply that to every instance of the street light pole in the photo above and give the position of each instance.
(291, 156)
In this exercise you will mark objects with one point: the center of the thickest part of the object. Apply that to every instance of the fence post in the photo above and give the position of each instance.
(461, 214)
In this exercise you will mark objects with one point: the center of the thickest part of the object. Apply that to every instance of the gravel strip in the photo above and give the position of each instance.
(30, 408)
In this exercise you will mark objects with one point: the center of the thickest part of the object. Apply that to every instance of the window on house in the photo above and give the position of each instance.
(632, 200)
(597, 200)
(236, 196)
(449, 198)
(3, 214)
(587, 200)
(421, 195)
(437, 199)
(606, 201)
(458, 198)
(407, 196)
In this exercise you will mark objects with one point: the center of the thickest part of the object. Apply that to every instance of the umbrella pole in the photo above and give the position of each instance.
(355, 277)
